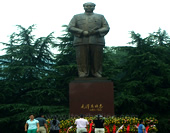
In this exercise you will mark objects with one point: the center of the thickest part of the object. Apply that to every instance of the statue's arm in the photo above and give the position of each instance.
(105, 27)
(73, 29)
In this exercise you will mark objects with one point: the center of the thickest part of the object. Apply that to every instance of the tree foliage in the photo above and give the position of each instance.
(33, 80)
(28, 85)
(144, 89)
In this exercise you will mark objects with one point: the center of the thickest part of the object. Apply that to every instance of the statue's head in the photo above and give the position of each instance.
(89, 7)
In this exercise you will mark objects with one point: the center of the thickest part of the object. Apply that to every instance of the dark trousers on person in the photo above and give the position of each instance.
(89, 59)
(54, 131)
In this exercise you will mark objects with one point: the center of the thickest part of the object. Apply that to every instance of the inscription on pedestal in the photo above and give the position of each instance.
(91, 96)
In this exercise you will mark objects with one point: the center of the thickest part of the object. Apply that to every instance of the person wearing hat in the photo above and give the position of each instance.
(99, 124)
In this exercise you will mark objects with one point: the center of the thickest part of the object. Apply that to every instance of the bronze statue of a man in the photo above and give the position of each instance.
(89, 30)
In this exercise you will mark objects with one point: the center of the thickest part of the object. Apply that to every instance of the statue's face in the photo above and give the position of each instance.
(89, 7)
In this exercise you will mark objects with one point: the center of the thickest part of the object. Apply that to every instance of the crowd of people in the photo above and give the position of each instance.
(99, 125)
(39, 124)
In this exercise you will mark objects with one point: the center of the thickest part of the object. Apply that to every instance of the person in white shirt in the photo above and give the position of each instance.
(81, 124)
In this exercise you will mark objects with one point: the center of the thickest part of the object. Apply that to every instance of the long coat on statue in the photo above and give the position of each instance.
(88, 22)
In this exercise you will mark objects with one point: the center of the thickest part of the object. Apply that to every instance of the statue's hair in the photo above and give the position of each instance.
(89, 3)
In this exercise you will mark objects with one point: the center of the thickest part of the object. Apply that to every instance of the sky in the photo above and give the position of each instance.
(123, 16)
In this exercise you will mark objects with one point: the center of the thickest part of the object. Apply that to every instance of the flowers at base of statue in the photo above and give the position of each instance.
(72, 130)
(152, 128)
(123, 130)
(65, 124)
(110, 122)
(133, 128)
(150, 121)
(121, 120)
(48, 124)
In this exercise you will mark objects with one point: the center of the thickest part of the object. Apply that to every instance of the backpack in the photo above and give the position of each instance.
(54, 127)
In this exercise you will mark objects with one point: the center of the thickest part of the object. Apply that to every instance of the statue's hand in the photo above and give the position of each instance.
(93, 32)
(85, 33)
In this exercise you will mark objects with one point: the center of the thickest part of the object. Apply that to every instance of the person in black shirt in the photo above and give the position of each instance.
(99, 124)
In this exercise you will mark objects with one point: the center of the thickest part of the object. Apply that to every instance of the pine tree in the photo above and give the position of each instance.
(27, 85)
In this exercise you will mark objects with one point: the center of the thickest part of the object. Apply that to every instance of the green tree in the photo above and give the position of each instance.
(65, 61)
(28, 86)
(145, 87)
(33, 80)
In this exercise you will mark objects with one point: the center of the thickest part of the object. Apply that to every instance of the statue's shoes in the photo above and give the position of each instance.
(97, 75)
(83, 75)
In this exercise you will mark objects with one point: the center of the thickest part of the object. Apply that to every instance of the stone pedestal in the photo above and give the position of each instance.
(91, 96)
